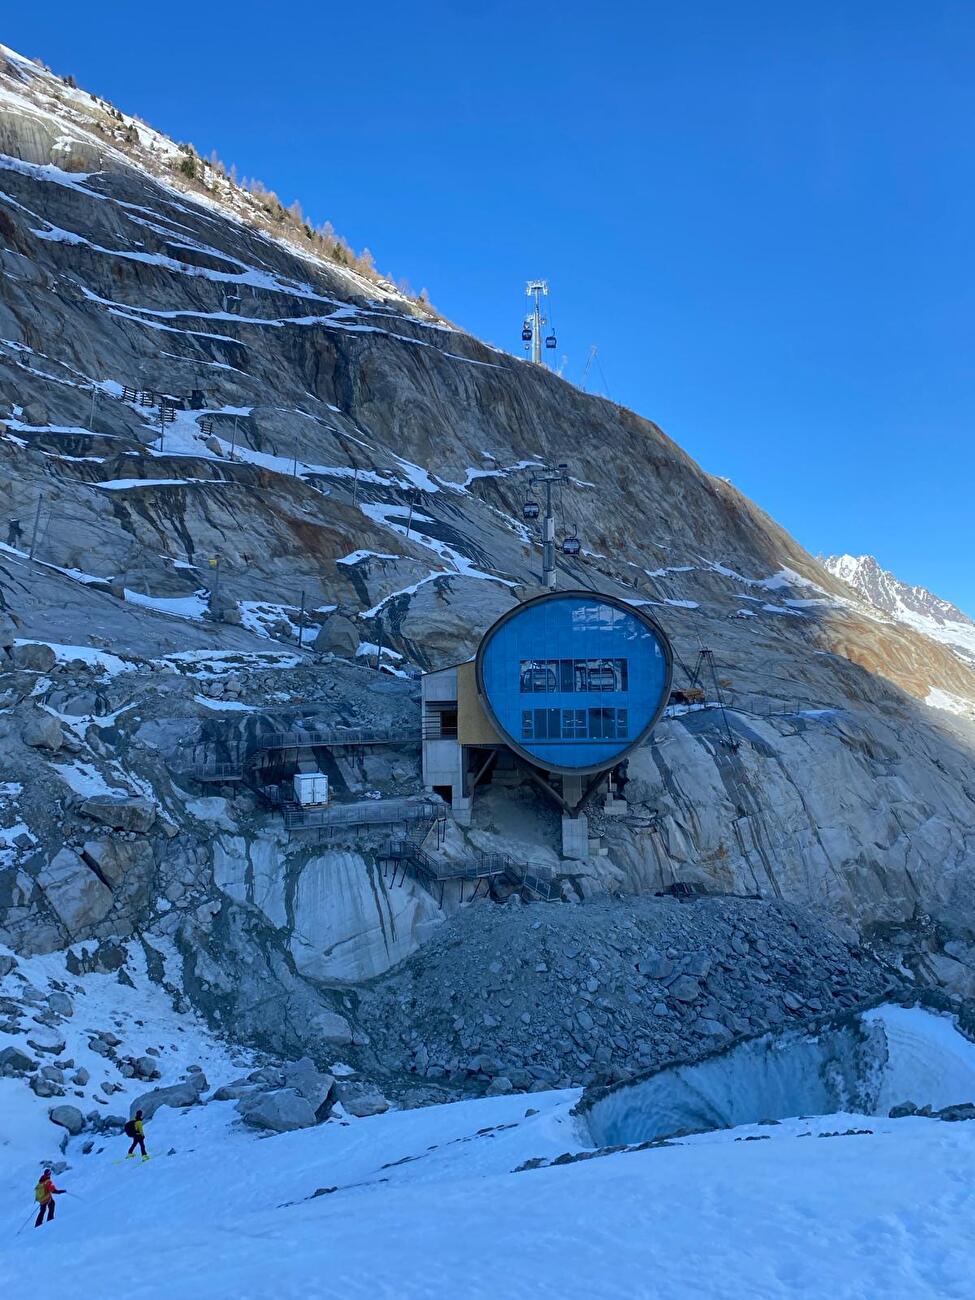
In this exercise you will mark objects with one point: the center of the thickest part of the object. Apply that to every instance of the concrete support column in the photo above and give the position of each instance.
(575, 838)
(572, 790)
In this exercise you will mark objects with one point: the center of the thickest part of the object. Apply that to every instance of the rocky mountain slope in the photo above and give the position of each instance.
(915, 606)
(343, 496)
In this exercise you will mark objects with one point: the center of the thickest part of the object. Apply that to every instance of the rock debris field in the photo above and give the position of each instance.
(524, 997)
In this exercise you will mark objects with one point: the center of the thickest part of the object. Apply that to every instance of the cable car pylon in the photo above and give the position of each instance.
(531, 330)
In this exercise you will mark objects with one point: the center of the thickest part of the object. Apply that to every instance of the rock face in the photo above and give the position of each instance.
(349, 925)
(915, 606)
(74, 892)
(381, 470)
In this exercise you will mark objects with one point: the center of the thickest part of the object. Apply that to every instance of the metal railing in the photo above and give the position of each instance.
(407, 854)
(368, 812)
(246, 751)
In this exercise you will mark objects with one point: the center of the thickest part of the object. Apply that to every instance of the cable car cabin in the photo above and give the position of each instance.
(551, 341)
(530, 510)
(526, 333)
(571, 546)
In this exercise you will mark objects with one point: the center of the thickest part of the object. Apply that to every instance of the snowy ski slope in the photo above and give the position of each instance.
(428, 1204)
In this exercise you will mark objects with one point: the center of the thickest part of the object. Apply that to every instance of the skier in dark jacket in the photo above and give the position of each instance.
(135, 1129)
(14, 533)
(44, 1194)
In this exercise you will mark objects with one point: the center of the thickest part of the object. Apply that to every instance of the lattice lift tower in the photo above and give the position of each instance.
(531, 331)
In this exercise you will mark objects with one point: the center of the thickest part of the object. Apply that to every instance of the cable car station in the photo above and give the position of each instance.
(563, 686)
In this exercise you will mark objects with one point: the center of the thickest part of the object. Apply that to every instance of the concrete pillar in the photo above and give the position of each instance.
(572, 790)
(575, 838)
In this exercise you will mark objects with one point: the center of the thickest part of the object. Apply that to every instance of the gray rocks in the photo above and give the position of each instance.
(281, 1111)
(656, 967)
(46, 1040)
(685, 989)
(313, 1085)
(178, 1095)
(952, 1114)
(60, 1003)
(338, 636)
(69, 1117)
(146, 1067)
(42, 731)
(36, 413)
(8, 631)
(14, 1061)
(76, 894)
(33, 656)
(333, 1028)
(44, 1087)
(80, 1076)
(123, 814)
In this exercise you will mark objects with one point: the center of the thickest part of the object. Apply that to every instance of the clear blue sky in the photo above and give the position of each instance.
(761, 213)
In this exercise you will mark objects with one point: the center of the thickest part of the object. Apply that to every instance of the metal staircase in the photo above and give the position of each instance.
(408, 854)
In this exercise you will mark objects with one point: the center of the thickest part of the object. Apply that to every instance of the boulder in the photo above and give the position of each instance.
(656, 966)
(963, 1111)
(314, 1086)
(33, 656)
(333, 1028)
(36, 413)
(80, 1076)
(14, 1061)
(75, 893)
(684, 989)
(69, 1117)
(281, 1111)
(178, 1095)
(339, 636)
(60, 1003)
(42, 731)
(44, 1087)
(7, 964)
(45, 1040)
(120, 812)
(147, 1067)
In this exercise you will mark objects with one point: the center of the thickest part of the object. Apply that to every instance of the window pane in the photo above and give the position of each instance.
(527, 727)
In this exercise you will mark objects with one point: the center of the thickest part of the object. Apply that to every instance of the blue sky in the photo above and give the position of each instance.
(760, 213)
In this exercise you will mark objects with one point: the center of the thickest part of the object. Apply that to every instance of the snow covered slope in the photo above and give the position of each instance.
(915, 606)
(429, 1204)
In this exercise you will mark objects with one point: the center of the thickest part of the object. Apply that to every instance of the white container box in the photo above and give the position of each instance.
(311, 788)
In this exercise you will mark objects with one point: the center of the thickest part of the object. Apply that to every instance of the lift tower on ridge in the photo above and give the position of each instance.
(531, 331)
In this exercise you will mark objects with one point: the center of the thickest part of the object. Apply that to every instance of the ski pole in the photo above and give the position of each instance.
(24, 1224)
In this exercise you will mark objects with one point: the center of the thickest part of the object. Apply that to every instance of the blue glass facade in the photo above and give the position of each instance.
(574, 680)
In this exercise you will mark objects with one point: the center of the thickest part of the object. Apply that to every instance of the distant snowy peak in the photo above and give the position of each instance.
(915, 606)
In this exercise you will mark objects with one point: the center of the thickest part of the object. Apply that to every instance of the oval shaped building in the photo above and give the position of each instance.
(573, 681)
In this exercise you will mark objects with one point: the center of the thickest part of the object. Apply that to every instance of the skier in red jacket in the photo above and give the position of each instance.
(44, 1194)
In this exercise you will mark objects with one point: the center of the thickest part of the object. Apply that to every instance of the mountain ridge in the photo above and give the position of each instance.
(916, 606)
